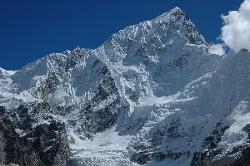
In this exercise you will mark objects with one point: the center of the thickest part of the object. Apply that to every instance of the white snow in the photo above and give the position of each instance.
(234, 135)
(106, 148)
(183, 161)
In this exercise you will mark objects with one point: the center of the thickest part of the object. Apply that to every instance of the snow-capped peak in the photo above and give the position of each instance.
(180, 20)
(175, 12)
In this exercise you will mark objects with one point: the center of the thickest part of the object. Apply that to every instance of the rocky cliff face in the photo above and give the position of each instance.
(152, 94)
(24, 144)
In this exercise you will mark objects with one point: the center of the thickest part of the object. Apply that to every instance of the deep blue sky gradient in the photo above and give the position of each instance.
(30, 29)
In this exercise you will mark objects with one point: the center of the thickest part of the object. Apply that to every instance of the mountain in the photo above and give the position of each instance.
(151, 95)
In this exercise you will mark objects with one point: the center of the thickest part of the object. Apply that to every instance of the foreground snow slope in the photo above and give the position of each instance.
(152, 94)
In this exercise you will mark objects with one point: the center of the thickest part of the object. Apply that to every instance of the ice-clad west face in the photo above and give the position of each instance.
(156, 57)
(171, 28)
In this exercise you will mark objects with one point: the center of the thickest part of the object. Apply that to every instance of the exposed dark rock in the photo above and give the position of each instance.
(94, 119)
(247, 129)
(44, 144)
(212, 140)
(239, 156)
(210, 158)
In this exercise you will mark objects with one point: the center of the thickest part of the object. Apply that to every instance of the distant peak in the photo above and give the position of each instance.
(178, 18)
(176, 10)
(1, 69)
(174, 22)
(243, 50)
(175, 14)
(7, 72)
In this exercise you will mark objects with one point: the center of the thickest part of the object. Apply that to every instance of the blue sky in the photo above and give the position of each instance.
(31, 29)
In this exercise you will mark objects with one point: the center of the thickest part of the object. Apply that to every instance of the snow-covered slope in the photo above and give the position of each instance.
(228, 143)
(152, 94)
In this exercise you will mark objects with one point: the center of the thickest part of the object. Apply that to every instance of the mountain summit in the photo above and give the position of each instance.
(151, 95)
(178, 18)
